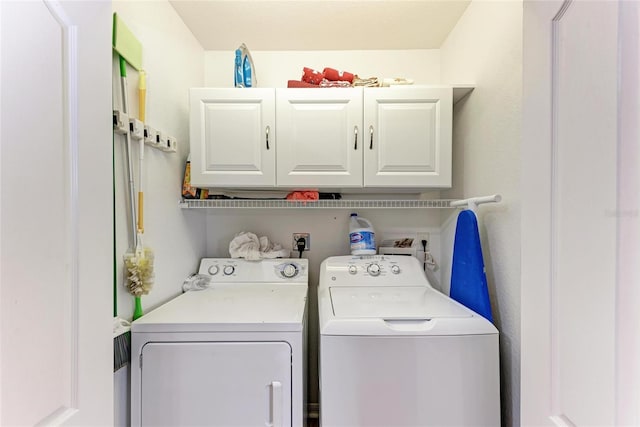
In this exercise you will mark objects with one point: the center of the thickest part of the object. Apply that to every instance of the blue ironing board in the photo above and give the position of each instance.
(468, 279)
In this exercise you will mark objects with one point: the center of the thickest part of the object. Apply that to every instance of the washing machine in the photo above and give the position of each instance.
(232, 354)
(396, 352)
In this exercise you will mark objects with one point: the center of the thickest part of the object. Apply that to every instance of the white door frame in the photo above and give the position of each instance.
(540, 383)
(56, 216)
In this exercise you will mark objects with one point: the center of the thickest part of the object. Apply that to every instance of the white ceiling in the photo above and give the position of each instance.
(320, 24)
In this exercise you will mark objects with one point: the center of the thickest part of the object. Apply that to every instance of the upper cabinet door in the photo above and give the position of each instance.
(408, 137)
(319, 137)
(232, 137)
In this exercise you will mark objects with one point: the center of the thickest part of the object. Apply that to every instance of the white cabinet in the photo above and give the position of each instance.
(319, 137)
(408, 133)
(232, 137)
(398, 137)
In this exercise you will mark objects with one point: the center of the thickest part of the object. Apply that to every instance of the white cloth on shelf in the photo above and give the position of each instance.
(249, 246)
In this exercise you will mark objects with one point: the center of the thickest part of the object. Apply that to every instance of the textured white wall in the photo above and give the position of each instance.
(275, 68)
(486, 48)
(174, 62)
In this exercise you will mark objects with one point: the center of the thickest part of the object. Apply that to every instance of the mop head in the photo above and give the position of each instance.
(139, 272)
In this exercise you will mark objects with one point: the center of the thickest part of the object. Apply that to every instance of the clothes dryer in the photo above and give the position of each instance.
(232, 354)
(396, 352)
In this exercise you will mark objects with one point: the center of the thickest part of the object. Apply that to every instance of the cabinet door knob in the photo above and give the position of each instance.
(267, 135)
(355, 137)
(371, 133)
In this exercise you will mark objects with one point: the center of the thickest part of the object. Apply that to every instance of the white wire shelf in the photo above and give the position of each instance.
(317, 204)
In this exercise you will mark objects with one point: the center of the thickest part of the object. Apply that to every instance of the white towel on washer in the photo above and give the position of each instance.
(248, 246)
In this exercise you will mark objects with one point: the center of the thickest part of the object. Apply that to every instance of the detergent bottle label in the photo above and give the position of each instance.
(362, 240)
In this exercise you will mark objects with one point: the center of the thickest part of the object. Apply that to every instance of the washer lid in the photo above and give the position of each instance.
(393, 303)
(250, 307)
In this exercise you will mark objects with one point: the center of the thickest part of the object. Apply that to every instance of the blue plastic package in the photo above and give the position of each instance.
(238, 78)
(244, 73)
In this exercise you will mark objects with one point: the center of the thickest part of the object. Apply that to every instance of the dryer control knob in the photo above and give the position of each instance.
(373, 269)
(289, 271)
(228, 270)
(213, 270)
(395, 269)
(353, 269)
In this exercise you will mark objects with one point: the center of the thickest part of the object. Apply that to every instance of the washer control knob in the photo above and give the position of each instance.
(373, 269)
(213, 270)
(289, 271)
(228, 270)
(395, 269)
(353, 269)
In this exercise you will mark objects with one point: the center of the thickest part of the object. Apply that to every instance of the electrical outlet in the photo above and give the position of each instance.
(421, 237)
(307, 237)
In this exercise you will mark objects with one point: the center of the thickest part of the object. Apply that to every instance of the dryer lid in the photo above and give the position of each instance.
(393, 303)
(249, 307)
